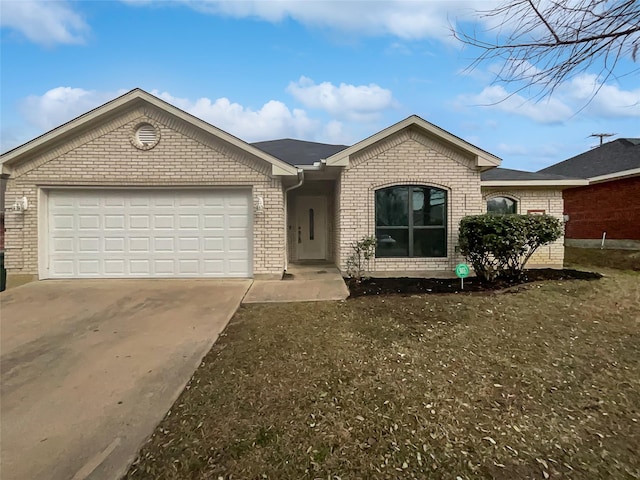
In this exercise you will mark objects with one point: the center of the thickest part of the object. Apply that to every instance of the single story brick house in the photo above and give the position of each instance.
(140, 188)
(609, 206)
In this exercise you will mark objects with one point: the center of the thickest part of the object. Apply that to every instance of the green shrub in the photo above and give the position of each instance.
(358, 262)
(499, 246)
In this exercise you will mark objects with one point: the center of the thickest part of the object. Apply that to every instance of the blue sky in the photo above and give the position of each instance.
(333, 72)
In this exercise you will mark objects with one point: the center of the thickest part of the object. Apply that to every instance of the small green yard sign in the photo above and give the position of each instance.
(462, 271)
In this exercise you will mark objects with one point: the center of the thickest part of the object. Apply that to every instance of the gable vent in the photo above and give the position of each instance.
(146, 134)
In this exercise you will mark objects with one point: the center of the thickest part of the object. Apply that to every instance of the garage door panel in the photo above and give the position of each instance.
(140, 267)
(163, 245)
(88, 244)
(89, 222)
(88, 267)
(238, 221)
(189, 267)
(155, 233)
(237, 201)
(139, 244)
(113, 201)
(213, 267)
(139, 200)
(114, 244)
(63, 244)
(141, 222)
(189, 221)
(236, 266)
(88, 202)
(62, 201)
(213, 221)
(168, 202)
(63, 222)
(164, 222)
(213, 244)
(114, 222)
(189, 244)
(166, 267)
(238, 244)
(63, 268)
(213, 201)
(114, 267)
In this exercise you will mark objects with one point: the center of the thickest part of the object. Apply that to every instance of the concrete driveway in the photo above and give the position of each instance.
(89, 368)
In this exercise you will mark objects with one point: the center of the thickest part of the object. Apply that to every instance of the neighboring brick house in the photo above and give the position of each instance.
(609, 206)
(139, 188)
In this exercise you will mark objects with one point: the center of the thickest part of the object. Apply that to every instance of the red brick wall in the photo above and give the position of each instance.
(612, 207)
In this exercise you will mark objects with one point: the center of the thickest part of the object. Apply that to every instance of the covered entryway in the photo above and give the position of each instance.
(101, 233)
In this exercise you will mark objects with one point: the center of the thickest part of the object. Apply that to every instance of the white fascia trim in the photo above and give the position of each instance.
(615, 176)
(317, 166)
(534, 183)
(482, 158)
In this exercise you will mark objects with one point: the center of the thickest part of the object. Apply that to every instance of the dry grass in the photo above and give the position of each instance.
(543, 383)
(616, 259)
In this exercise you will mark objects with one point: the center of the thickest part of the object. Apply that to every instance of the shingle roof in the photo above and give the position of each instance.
(298, 152)
(612, 157)
(508, 174)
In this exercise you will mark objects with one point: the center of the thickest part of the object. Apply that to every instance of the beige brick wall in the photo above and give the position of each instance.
(547, 199)
(406, 158)
(185, 157)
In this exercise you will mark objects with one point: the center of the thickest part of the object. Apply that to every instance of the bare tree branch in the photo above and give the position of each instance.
(550, 41)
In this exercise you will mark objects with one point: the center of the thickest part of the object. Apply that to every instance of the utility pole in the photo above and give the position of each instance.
(602, 135)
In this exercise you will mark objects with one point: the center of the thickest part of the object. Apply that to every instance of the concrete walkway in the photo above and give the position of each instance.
(90, 367)
(303, 283)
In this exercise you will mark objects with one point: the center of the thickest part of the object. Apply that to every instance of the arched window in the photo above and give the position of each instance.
(411, 221)
(502, 206)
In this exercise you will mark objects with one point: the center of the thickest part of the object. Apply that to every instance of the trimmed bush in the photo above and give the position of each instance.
(499, 246)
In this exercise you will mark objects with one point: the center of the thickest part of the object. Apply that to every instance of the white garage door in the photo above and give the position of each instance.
(149, 233)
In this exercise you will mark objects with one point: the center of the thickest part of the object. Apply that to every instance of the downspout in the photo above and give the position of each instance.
(286, 216)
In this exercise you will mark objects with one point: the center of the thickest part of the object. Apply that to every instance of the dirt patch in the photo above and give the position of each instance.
(412, 286)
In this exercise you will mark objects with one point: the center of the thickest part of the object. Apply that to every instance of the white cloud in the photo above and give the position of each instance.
(496, 97)
(273, 120)
(409, 20)
(61, 104)
(44, 22)
(609, 100)
(352, 102)
(583, 95)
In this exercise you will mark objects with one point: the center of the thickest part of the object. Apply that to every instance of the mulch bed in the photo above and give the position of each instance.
(409, 286)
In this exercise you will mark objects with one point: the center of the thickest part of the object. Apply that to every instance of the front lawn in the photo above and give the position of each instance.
(541, 383)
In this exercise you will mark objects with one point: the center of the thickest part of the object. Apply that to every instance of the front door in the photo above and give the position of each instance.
(311, 228)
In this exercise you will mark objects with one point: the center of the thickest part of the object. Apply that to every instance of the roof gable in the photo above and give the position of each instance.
(110, 109)
(482, 158)
(299, 152)
(619, 155)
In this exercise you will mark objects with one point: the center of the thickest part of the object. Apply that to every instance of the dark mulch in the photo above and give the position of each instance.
(409, 286)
